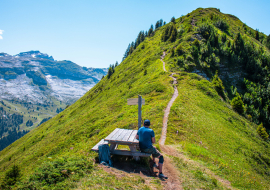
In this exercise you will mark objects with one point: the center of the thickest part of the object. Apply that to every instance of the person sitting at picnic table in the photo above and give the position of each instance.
(146, 137)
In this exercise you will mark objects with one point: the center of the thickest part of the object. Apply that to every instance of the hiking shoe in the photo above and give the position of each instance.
(155, 166)
(162, 176)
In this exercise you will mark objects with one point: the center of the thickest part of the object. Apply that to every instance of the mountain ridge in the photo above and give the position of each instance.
(209, 138)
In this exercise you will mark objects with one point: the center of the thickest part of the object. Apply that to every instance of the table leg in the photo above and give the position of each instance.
(134, 149)
(113, 146)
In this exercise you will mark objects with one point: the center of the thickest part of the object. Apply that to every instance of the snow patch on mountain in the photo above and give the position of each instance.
(64, 89)
(22, 89)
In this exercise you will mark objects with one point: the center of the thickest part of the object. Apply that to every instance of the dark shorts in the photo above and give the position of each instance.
(152, 151)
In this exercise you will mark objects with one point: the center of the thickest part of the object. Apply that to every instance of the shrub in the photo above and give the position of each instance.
(238, 104)
(262, 132)
(218, 85)
(172, 51)
(179, 50)
(145, 72)
(222, 25)
(52, 173)
(205, 30)
(11, 177)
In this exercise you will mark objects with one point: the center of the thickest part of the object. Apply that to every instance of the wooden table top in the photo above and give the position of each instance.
(122, 136)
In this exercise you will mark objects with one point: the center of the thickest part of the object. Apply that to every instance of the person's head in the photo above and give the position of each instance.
(146, 123)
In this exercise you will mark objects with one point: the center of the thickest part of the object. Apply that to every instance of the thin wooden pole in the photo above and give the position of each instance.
(139, 111)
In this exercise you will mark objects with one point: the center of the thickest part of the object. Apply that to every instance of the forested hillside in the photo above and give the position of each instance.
(10, 126)
(213, 138)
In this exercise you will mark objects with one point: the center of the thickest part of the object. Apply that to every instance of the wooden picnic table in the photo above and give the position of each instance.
(123, 137)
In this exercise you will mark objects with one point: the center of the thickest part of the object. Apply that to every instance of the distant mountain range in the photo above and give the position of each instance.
(37, 87)
(29, 76)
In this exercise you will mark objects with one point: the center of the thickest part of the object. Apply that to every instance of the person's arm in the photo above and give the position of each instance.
(153, 139)
(137, 137)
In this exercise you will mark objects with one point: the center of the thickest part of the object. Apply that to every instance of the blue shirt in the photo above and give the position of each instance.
(145, 137)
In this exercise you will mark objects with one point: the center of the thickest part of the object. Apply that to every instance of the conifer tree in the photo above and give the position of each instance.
(173, 33)
(110, 72)
(257, 36)
(262, 132)
(238, 43)
(157, 25)
(268, 41)
(127, 52)
(151, 29)
(217, 82)
(238, 104)
(173, 19)
(12, 176)
(160, 22)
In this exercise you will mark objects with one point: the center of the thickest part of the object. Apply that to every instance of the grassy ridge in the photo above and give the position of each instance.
(210, 132)
(201, 126)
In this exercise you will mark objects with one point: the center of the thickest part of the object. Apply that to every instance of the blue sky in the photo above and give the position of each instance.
(97, 33)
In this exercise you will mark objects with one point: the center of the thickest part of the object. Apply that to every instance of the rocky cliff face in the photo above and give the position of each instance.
(32, 75)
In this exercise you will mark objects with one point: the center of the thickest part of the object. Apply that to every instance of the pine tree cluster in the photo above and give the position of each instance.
(170, 33)
(111, 69)
(141, 37)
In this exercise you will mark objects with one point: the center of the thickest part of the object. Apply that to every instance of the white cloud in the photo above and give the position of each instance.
(1, 32)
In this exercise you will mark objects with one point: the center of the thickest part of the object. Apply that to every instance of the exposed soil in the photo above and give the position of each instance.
(193, 22)
(173, 181)
(168, 108)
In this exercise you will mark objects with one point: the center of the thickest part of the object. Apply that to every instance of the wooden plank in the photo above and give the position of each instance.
(122, 135)
(95, 148)
(132, 136)
(116, 135)
(123, 142)
(134, 101)
(126, 137)
(112, 133)
(129, 153)
(136, 140)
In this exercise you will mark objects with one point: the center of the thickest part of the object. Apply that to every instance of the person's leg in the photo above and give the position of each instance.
(153, 158)
(160, 163)
(160, 167)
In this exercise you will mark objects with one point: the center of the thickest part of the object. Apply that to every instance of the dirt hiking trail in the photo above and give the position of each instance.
(168, 108)
(173, 181)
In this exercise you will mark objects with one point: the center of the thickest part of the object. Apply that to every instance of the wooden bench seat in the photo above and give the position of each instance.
(130, 153)
(95, 148)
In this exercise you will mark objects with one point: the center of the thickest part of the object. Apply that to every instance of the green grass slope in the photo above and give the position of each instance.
(202, 127)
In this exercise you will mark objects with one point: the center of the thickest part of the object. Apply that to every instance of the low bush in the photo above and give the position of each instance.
(217, 82)
(12, 176)
(262, 132)
(53, 174)
(222, 25)
(238, 104)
